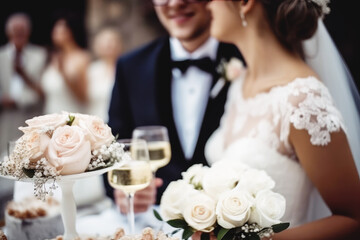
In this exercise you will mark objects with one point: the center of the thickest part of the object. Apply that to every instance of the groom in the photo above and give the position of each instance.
(157, 85)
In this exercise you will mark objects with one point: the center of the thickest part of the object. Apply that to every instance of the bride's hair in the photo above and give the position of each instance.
(292, 21)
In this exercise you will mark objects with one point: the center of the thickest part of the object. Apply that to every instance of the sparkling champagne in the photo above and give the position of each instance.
(131, 177)
(159, 153)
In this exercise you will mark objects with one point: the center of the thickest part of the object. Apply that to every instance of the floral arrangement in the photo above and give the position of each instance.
(61, 144)
(229, 200)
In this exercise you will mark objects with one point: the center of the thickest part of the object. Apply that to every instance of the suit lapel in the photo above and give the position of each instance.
(215, 105)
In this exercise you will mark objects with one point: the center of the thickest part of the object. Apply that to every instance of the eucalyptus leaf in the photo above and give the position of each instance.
(29, 172)
(280, 227)
(157, 215)
(178, 223)
(222, 233)
(188, 232)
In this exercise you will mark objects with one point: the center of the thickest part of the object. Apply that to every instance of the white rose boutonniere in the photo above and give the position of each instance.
(229, 71)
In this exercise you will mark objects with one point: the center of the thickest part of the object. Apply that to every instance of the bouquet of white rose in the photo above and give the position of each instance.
(61, 144)
(229, 199)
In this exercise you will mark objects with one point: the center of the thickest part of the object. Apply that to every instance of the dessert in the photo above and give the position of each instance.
(2, 236)
(31, 219)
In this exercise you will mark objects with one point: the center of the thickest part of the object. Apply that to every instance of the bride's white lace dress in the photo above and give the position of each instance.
(256, 130)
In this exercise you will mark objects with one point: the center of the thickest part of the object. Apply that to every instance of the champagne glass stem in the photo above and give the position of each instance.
(131, 215)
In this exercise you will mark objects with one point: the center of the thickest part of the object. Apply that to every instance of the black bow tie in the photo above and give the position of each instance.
(205, 64)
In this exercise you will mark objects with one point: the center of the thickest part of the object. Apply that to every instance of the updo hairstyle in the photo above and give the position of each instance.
(292, 21)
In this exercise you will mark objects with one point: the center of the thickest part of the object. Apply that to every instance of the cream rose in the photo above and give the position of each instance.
(96, 130)
(173, 198)
(234, 69)
(269, 208)
(199, 212)
(194, 175)
(219, 178)
(233, 208)
(47, 122)
(254, 180)
(69, 151)
(35, 144)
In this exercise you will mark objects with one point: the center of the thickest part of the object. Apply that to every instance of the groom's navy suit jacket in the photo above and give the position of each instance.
(142, 96)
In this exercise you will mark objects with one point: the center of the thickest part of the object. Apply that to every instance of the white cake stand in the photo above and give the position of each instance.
(68, 205)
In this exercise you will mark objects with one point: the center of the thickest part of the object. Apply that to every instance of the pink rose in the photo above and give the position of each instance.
(69, 150)
(51, 121)
(36, 144)
(96, 131)
(234, 69)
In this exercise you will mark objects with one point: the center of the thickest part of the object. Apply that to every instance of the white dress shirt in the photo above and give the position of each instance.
(190, 93)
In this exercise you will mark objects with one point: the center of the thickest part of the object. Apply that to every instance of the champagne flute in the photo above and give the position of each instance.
(134, 175)
(157, 139)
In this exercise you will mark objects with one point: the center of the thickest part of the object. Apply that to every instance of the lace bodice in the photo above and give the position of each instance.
(256, 131)
(304, 102)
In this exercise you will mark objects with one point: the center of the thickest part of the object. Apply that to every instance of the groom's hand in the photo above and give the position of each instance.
(143, 198)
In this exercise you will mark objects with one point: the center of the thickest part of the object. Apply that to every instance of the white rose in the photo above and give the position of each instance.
(47, 122)
(254, 180)
(234, 69)
(96, 130)
(219, 178)
(195, 174)
(69, 151)
(173, 198)
(199, 212)
(269, 208)
(233, 208)
(35, 144)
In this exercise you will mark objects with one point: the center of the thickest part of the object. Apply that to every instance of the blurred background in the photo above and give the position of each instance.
(138, 24)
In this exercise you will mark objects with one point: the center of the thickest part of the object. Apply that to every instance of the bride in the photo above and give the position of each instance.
(280, 116)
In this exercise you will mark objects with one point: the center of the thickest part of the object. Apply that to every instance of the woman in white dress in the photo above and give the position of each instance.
(107, 48)
(65, 78)
(280, 117)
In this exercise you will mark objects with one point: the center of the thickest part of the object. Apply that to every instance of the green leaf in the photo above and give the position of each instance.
(280, 227)
(205, 236)
(178, 223)
(188, 232)
(222, 233)
(29, 172)
(71, 120)
(229, 235)
(157, 215)
(175, 231)
(253, 236)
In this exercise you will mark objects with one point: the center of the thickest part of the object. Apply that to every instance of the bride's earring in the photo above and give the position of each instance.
(243, 20)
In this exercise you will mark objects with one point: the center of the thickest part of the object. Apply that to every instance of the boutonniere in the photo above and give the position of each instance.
(229, 71)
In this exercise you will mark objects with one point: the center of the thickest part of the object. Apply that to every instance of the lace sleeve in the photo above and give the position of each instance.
(311, 108)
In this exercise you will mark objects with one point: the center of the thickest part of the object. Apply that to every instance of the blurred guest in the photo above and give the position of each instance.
(107, 47)
(65, 78)
(21, 66)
